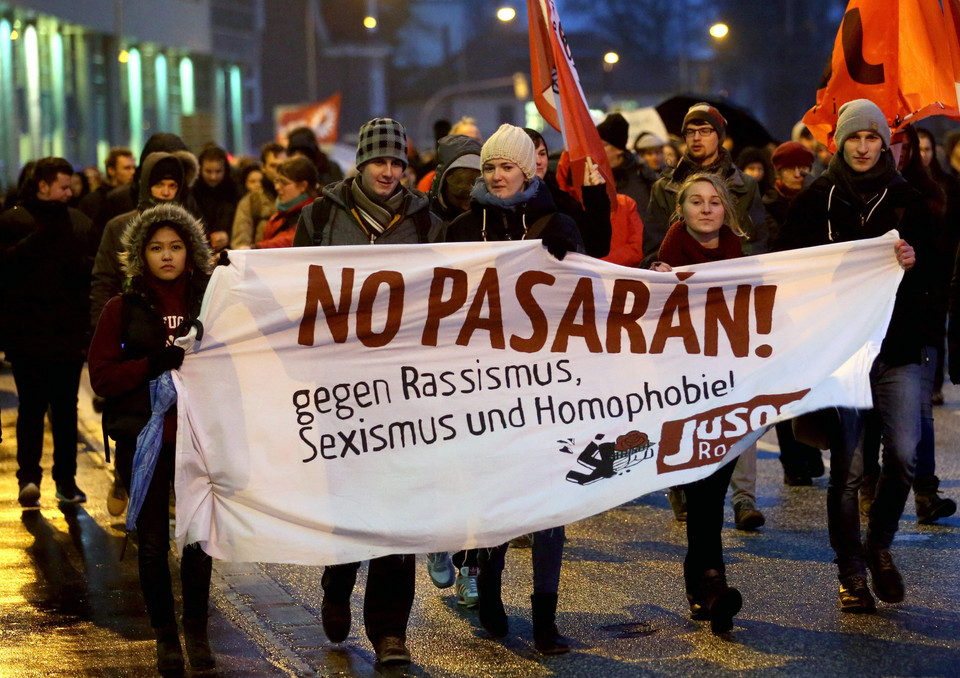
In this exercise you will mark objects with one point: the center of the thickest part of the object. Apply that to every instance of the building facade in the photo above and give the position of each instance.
(77, 77)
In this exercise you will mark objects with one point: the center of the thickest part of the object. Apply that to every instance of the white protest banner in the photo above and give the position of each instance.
(351, 402)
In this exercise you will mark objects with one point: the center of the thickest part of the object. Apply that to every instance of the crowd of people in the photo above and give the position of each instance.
(110, 269)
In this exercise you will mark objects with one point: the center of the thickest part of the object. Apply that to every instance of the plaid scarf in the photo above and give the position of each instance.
(375, 215)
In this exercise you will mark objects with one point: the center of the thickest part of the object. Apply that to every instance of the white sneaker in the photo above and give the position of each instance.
(441, 569)
(466, 586)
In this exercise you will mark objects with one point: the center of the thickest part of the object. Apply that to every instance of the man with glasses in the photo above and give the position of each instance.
(704, 129)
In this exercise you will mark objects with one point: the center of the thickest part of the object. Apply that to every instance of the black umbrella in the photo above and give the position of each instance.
(742, 127)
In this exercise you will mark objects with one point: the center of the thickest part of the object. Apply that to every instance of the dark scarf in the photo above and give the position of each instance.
(679, 248)
(376, 214)
(862, 187)
(722, 166)
(788, 193)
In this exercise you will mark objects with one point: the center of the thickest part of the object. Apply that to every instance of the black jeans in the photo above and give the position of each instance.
(705, 500)
(466, 558)
(546, 550)
(153, 537)
(388, 597)
(794, 455)
(43, 383)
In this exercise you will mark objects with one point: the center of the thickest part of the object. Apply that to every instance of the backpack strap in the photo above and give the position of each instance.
(320, 215)
(538, 226)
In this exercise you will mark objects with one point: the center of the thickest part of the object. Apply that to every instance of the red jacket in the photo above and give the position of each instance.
(626, 238)
(282, 226)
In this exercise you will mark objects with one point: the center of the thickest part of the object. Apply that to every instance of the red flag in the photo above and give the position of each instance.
(323, 117)
(904, 55)
(555, 78)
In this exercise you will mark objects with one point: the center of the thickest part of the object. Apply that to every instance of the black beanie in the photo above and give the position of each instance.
(614, 130)
(166, 168)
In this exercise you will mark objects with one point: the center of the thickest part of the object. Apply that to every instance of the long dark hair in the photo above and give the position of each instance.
(920, 177)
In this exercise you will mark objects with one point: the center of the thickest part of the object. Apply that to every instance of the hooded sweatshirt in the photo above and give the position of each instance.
(107, 275)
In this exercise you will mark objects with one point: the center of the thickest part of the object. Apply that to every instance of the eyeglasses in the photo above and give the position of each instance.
(702, 131)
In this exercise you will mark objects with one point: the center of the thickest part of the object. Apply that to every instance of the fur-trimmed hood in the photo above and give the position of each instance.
(143, 225)
(190, 170)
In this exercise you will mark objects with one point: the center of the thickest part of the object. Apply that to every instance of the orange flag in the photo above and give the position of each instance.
(904, 55)
(323, 117)
(555, 80)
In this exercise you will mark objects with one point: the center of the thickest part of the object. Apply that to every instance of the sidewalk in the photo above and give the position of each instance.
(70, 606)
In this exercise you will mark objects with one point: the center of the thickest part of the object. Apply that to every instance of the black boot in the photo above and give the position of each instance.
(198, 646)
(720, 601)
(546, 637)
(169, 654)
(930, 505)
(490, 605)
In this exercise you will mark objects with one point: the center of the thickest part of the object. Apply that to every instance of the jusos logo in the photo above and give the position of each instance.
(706, 438)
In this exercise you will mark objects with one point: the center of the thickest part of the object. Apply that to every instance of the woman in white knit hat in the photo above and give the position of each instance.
(510, 202)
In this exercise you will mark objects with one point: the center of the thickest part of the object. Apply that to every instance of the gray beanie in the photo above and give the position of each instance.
(512, 143)
(382, 138)
(861, 115)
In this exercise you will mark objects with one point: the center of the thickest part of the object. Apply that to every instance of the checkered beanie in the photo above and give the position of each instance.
(382, 138)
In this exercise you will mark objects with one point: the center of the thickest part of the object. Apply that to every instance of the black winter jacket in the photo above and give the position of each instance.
(46, 254)
(502, 224)
(899, 206)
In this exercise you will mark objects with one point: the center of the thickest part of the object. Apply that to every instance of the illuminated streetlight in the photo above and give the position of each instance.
(719, 30)
(369, 22)
(506, 14)
(124, 56)
(611, 58)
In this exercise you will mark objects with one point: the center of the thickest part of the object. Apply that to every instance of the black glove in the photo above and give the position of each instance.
(557, 245)
(167, 358)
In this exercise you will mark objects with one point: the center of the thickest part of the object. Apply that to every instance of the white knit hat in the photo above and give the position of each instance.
(512, 143)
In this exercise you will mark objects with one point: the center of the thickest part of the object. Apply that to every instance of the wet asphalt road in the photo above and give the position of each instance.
(69, 607)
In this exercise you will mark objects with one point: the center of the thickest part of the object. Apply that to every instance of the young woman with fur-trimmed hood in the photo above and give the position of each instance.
(167, 262)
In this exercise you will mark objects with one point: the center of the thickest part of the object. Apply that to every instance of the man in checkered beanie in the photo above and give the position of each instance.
(372, 208)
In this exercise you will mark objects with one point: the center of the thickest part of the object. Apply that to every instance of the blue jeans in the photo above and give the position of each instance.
(896, 401)
(897, 398)
(926, 464)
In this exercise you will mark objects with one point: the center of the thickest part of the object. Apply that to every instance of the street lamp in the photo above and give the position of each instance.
(506, 14)
(719, 30)
(609, 59)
